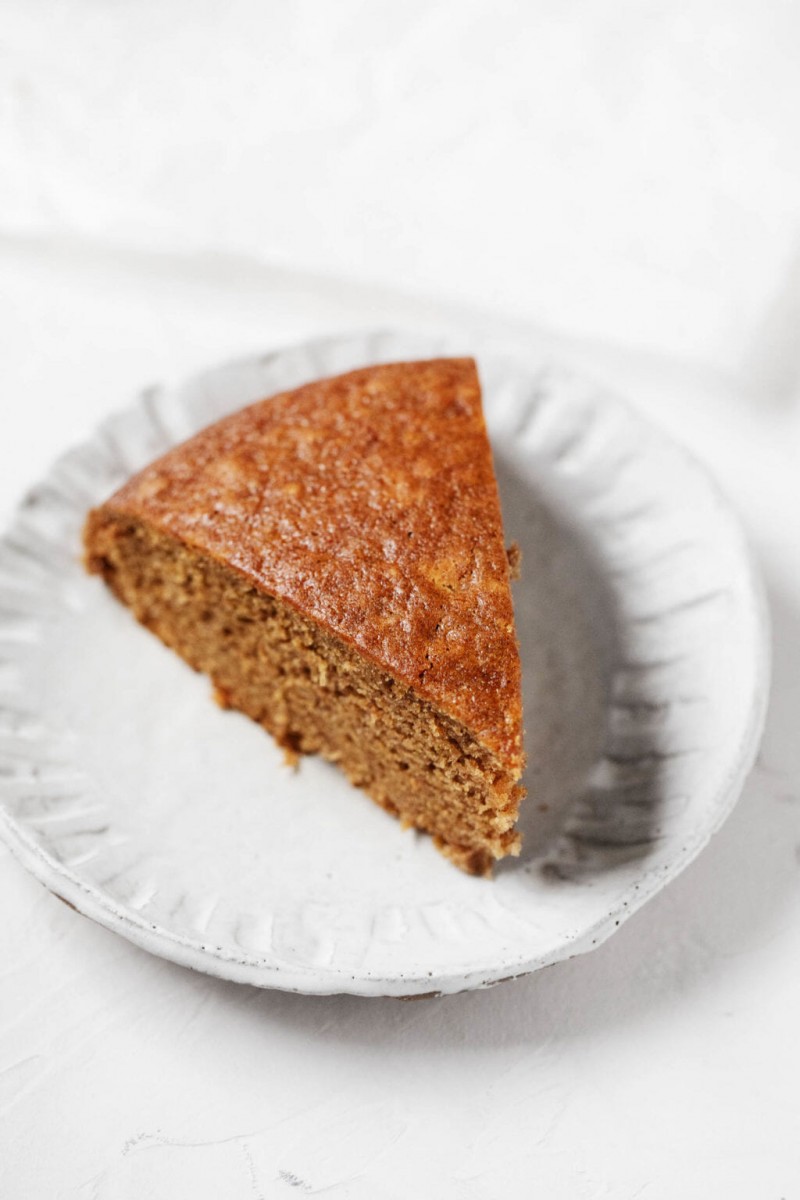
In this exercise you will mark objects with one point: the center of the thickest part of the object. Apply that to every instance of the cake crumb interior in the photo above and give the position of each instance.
(313, 692)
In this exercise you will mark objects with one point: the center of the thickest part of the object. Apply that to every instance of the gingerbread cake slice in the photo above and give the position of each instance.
(333, 558)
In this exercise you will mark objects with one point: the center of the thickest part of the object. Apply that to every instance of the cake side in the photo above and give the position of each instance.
(368, 504)
(313, 691)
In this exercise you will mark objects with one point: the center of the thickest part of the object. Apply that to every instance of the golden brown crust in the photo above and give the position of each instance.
(368, 503)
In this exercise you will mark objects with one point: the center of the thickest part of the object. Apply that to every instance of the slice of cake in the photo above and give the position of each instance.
(333, 557)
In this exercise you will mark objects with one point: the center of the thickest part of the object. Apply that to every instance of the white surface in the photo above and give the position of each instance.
(617, 170)
(666, 1063)
(645, 677)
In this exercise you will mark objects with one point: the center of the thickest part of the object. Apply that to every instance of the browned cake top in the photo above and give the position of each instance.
(369, 503)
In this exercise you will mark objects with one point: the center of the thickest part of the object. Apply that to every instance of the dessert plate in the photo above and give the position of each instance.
(127, 792)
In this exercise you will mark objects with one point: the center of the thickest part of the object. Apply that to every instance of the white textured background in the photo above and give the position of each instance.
(187, 181)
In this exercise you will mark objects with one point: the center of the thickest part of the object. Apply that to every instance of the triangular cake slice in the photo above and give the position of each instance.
(333, 557)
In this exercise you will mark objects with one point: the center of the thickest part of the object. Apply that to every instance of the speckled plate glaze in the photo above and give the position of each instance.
(643, 633)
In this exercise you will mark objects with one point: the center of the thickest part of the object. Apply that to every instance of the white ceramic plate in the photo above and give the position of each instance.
(126, 791)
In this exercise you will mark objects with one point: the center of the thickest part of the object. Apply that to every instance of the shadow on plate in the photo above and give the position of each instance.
(598, 775)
